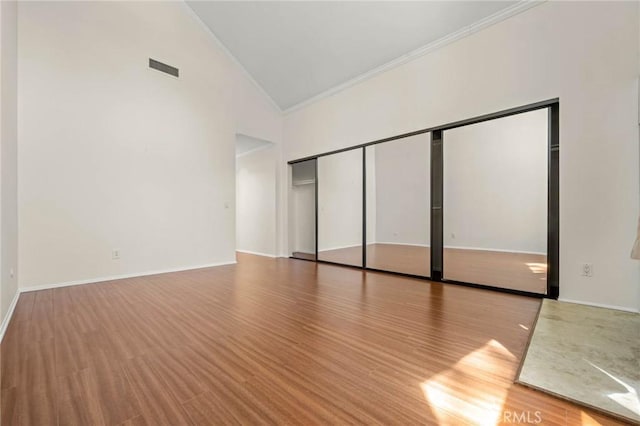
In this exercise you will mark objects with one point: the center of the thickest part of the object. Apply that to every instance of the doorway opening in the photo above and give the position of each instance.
(255, 196)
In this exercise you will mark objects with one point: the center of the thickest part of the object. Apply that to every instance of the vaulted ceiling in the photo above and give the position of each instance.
(298, 50)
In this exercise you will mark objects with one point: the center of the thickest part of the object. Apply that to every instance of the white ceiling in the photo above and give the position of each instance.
(297, 50)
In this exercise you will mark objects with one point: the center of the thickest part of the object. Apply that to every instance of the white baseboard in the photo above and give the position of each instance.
(495, 249)
(256, 253)
(599, 305)
(9, 315)
(120, 277)
(339, 247)
(399, 244)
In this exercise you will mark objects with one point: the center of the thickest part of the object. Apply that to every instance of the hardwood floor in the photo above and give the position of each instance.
(516, 271)
(346, 256)
(413, 260)
(271, 341)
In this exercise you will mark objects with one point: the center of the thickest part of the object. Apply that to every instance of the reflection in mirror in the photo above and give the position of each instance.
(303, 210)
(340, 207)
(495, 202)
(398, 205)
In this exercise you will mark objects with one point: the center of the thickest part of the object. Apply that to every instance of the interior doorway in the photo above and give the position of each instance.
(255, 196)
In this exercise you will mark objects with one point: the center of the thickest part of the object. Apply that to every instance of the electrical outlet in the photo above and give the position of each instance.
(11, 273)
(115, 254)
(587, 270)
(453, 236)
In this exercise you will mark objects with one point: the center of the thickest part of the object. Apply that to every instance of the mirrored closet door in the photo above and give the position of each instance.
(495, 184)
(398, 205)
(340, 223)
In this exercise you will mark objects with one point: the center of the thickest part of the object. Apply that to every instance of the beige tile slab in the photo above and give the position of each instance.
(587, 354)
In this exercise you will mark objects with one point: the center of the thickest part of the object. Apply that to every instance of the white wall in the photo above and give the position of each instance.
(403, 191)
(256, 201)
(114, 155)
(8, 156)
(584, 53)
(495, 184)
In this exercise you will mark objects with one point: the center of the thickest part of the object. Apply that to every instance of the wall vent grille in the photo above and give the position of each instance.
(168, 69)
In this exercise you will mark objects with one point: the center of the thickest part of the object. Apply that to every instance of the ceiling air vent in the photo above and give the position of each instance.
(168, 69)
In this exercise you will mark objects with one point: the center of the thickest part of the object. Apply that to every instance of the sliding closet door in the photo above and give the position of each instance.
(495, 202)
(340, 197)
(303, 210)
(398, 210)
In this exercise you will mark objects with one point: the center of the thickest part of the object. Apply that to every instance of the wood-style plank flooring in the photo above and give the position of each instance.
(271, 341)
(516, 271)
(414, 260)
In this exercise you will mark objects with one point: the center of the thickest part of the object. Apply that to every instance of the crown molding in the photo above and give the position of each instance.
(490, 20)
(222, 47)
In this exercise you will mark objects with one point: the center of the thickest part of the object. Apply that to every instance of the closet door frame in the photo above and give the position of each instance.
(553, 197)
(437, 189)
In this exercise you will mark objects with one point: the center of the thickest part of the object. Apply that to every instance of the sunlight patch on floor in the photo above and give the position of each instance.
(537, 268)
(587, 420)
(628, 399)
(449, 397)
